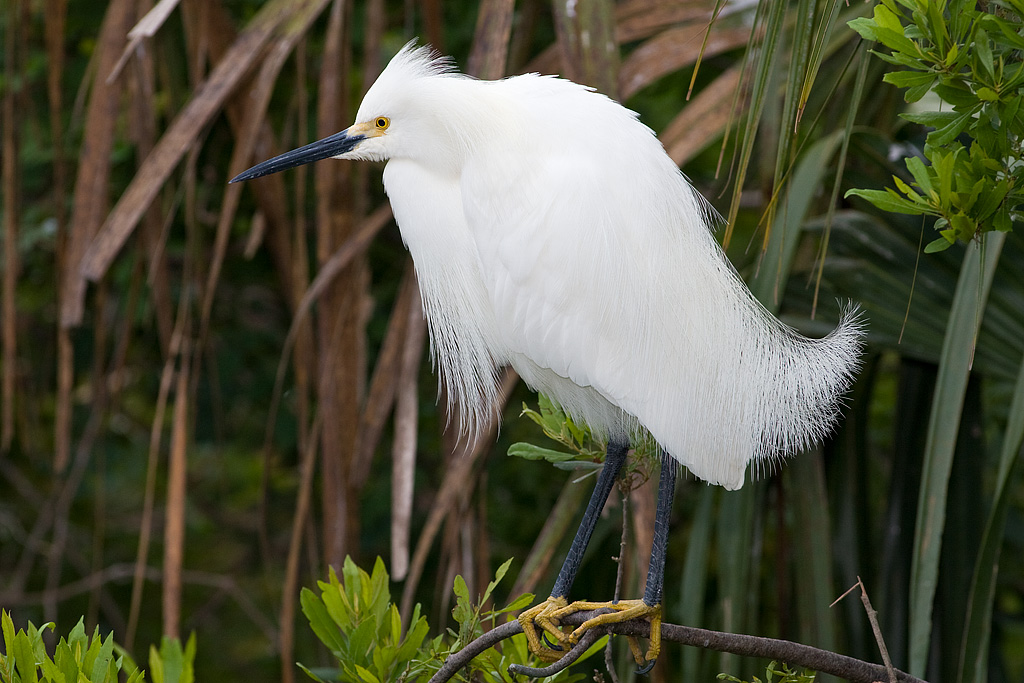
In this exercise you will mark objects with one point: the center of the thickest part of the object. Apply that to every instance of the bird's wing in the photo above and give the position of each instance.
(607, 275)
(586, 279)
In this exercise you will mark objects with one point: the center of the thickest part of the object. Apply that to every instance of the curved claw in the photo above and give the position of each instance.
(555, 647)
(646, 668)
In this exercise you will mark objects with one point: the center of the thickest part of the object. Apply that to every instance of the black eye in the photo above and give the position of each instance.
(382, 123)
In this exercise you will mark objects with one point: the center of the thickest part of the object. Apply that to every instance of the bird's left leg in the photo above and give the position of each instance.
(649, 607)
(539, 619)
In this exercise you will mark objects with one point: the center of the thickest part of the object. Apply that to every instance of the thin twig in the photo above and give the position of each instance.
(609, 664)
(877, 630)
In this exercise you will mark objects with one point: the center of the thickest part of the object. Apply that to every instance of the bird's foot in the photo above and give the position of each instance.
(545, 618)
(538, 622)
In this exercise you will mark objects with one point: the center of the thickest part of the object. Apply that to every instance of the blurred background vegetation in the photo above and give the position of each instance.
(210, 393)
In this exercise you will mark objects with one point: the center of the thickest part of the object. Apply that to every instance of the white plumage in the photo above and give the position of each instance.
(550, 231)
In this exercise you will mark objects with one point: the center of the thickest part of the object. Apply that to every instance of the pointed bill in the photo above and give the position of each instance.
(331, 146)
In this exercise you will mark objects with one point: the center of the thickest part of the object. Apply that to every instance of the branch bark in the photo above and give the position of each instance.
(794, 654)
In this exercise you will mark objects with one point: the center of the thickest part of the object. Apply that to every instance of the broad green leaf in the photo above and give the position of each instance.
(498, 575)
(528, 451)
(920, 173)
(934, 119)
(946, 134)
(910, 193)
(956, 93)
(886, 18)
(887, 200)
(25, 658)
(865, 27)
(983, 50)
(991, 198)
(171, 659)
(954, 367)
(974, 654)
(309, 672)
(906, 79)
(366, 675)
(987, 94)
(323, 626)
(940, 244)
(156, 667)
(519, 603)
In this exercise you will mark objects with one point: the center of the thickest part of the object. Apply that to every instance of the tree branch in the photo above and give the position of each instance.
(794, 654)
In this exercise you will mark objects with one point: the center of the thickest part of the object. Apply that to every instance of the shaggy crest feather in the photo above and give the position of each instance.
(550, 231)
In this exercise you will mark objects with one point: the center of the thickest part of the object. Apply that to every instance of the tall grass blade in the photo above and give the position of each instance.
(774, 28)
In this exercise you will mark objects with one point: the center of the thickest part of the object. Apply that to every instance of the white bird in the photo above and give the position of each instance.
(551, 232)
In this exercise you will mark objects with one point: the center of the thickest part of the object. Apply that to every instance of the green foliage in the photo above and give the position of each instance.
(357, 621)
(171, 663)
(355, 618)
(582, 450)
(774, 669)
(969, 55)
(77, 659)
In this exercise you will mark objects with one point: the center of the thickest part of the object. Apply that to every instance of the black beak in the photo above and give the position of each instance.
(331, 146)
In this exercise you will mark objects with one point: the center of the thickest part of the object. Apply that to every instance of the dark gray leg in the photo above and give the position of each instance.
(666, 492)
(656, 570)
(613, 460)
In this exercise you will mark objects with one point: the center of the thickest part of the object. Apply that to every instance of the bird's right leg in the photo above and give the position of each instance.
(539, 619)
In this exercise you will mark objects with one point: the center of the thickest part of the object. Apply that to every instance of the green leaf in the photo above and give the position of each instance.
(366, 675)
(908, 79)
(519, 603)
(947, 403)
(1009, 33)
(911, 194)
(460, 588)
(25, 658)
(895, 40)
(171, 660)
(990, 199)
(987, 94)
(7, 626)
(310, 673)
(1002, 221)
(932, 119)
(325, 628)
(528, 451)
(974, 653)
(941, 244)
(983, 50)
(498, 575)
(946, 134)
(956, 93)
(887, 200)
(887, 19)
(865, 27)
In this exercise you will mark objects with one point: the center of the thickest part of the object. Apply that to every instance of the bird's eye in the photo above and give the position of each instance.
(382, 123)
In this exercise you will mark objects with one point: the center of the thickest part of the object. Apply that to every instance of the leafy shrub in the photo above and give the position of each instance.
(970, 57)
(355, 618)
(81, 658)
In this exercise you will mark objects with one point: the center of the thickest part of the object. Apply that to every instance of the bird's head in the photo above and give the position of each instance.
(401, 116)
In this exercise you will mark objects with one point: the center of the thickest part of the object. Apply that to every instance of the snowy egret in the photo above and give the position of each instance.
(551, 232)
